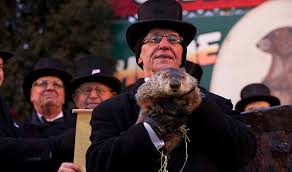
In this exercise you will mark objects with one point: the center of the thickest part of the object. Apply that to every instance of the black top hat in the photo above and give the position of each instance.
(46, 67)
(256, 92)
(194, 69)
(5, 55)
(160, 14)
(95, 69)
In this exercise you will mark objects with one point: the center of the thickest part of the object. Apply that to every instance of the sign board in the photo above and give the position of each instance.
(83, 131)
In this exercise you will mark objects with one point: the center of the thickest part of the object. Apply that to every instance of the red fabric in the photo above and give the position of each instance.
(129, 7)
(123, 8)
(211, 4)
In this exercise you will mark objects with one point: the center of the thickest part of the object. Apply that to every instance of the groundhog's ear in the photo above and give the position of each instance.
(182, 69)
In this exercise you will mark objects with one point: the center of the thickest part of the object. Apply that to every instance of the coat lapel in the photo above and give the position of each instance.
(132, 92)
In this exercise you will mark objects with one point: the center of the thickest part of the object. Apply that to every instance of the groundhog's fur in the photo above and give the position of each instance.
(170, 90)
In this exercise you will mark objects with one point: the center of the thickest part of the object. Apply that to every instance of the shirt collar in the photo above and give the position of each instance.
(60, 115)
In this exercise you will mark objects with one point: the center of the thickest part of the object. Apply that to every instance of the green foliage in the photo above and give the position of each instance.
(66, 29)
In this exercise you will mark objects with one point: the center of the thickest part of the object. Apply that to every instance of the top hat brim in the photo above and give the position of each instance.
(5, 55)
(111, 82)
(34, 75)
(274, 101)
(141, 28)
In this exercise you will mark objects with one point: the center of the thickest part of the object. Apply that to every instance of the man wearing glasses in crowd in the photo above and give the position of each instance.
(38, 152)
(6, 122)
(94, 83)
(217, 141)
(46, 88)
(31, 152)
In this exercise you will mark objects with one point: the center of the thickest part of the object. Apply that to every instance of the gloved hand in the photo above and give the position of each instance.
(166, 116)
(62, 146)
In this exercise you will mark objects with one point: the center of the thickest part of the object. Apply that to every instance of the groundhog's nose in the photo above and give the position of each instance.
(174, 84)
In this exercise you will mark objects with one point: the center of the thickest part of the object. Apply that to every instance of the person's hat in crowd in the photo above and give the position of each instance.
(5, 55)
(256, 92)
(47, 67)
(95, 69)
(194, 70)
(159, 14)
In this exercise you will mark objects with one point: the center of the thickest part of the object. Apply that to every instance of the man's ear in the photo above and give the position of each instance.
(114, 93)
(31, 97)
(140, 61)
(74, 98)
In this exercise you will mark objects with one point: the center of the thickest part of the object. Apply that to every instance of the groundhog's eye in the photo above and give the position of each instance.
(165, 76)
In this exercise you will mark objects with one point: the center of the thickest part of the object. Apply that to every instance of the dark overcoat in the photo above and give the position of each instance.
(7, 128)
(218, 141)
(33, 127)
(39, 133)
(14, 150)
(28, 148)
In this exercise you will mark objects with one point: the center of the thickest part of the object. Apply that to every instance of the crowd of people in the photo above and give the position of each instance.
(46, 139)
(218, 140)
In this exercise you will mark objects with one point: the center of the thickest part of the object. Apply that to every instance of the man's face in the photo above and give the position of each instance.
(90, 94)
(47, 91)
(256, 105)
(1, 71)
(156, 55)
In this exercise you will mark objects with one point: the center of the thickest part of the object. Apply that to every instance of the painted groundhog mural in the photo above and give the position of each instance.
(278, 43)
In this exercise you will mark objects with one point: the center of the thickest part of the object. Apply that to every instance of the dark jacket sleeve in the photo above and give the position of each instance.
(6, 123)
(221, 135)
(24, 149)
(38, 149)
(118, 144)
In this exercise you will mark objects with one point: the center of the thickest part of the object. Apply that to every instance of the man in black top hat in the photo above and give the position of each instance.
(4, 56)
(94, 83)
(218, 142)
(255, 96)
(26, 154)
(6, 122)
(46, 88)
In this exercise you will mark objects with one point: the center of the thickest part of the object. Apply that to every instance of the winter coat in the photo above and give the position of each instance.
(39, 133)
(29, 148)
(33, 127)
(6, 123)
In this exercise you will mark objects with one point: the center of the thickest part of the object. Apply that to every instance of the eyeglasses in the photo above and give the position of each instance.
(45, 84)
(172, 39)
(86, 91)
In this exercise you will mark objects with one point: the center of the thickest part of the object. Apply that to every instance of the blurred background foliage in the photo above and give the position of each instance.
(64, 29)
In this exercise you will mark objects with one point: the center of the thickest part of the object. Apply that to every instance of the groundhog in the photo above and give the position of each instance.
(278, 43)
(169, 96)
